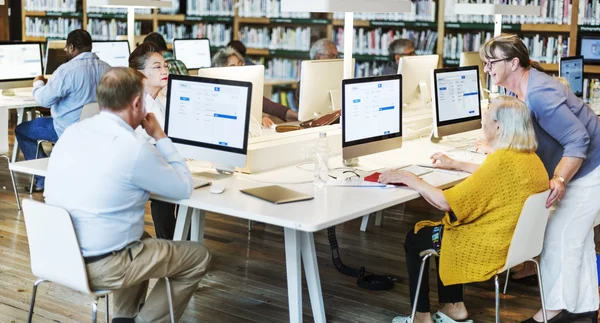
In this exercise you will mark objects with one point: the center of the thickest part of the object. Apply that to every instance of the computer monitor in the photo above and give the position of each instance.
(571, 68)
(113, 52)
(55, 55)
(20, 63)
(254, 74)
(455, 100)
(473, 59)
(320, 87)
(207, 119)
(194, 53)
(588, 46)
(371, 115)
(416, 72)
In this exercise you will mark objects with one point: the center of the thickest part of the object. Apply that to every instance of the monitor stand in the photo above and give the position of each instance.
(365, 167)
(220, 172)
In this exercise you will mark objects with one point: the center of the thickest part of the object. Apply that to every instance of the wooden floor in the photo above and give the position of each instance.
(247, 278)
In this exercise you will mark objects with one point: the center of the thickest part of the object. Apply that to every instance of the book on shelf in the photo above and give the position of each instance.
(364, 69)
(552, 12)
(589, 12)
(210, 7)
(218, 34)
(593, 99)
(50, 5)
(281, 68)
(117, 11)
(547, 49)
(456, 43)
(376, 41)
(284, 97)
(50, 27)
(285, 38)
(272, 9)
(104, 29)
(423, 10)
(174, 9)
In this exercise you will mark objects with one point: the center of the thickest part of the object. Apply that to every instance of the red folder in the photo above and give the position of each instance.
(375, 178)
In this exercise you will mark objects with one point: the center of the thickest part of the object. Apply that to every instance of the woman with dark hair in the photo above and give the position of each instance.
(568, 134)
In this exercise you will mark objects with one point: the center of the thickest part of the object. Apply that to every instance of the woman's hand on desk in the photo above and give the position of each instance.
(399, 176)
(267, 122)
(432, 194)
(482, 146)
(442, 161)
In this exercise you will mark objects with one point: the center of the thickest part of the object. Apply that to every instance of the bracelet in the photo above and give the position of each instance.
(559, 178)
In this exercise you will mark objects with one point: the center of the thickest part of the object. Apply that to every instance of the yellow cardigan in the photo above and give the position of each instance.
(487, 206)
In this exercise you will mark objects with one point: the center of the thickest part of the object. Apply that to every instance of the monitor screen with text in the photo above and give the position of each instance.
(194, 53)
(20, 61)
(571, 68)
(457, 94)
(114, 53)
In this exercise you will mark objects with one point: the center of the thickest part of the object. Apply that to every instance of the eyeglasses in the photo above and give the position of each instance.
(489, 64)
(158, 67)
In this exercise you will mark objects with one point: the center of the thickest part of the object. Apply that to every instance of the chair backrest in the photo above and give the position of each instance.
(528, 239)
(89, 110)
(53, 246)
(3, 131)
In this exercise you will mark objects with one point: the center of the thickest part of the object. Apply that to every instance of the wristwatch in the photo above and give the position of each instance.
(560, 178)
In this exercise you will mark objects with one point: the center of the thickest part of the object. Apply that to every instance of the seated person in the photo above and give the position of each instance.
(72, 86)
(240, 48)
(473, 237)
(321, 49)
(175, 66)
(107, 204)
(229, 57)
(398, 49)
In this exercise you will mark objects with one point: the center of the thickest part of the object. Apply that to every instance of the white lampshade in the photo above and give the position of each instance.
(345, 6)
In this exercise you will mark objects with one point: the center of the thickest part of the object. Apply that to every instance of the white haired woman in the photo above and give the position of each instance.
(473, 237)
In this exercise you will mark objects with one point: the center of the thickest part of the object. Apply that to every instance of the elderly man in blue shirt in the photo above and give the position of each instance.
(72, 86)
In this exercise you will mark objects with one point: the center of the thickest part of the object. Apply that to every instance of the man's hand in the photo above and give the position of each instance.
(152, 127)
(267, 122)
(40, 78)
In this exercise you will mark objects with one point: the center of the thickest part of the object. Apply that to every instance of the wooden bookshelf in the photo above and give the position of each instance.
(170, 18)
(253, 20)
(591, 69)
(550, 67)
(546, 28)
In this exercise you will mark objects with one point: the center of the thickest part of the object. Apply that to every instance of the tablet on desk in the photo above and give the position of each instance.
(277, 194)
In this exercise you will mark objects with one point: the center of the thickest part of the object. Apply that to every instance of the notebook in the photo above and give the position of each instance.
(277, 194)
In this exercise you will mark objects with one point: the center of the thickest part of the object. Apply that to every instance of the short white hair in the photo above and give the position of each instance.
(221, 57)
(516, 127)
(320, 47)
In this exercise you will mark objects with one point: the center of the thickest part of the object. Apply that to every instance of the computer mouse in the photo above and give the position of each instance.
(273, 126)
(217, 189)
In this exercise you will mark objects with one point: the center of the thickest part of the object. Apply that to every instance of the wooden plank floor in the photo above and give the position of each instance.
(247, 278)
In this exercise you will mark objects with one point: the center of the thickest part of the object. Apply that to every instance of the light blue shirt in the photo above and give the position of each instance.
(72, 86)
(103, 175)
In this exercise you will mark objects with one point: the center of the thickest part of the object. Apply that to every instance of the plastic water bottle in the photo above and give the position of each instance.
(321, 158)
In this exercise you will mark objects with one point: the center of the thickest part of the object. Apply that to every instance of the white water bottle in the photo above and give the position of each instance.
(321, 159)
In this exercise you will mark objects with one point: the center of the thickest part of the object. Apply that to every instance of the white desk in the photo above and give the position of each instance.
(22, 100)
(331, 206)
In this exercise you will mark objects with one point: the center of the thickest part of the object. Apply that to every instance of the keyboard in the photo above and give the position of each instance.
(197, 182)
(353, 181)
(416, 169)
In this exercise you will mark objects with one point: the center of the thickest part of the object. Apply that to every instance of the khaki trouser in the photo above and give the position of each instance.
(127, 273)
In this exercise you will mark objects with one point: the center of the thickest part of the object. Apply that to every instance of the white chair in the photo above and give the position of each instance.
(526, 244)
(4, 149)
(56, 256)
(88, 110)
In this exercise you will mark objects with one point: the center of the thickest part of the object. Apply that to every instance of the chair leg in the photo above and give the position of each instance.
(497, 285)
(414, 309)
(95, 310)
(107, 305)
(543, 300)
(506, 282)
(32, 303)
(14, 184)
(170, 300)
(37, 154)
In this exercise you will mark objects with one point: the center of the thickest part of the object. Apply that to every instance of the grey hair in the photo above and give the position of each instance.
(398, 46)
(320, 47)
(516, 127)
(220, 58)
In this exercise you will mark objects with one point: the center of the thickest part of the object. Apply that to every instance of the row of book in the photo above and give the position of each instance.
(421, 10)
(218, 34)
(103, 29)
(552, 12)
(547, 49)
(589, 12)
(50, 27)
(376, 41)
(285, 97)
(456, 43)
(297, 39)
(282, 68)
(591, 92)
(210, 7)
(51, 5)
(266, 8)
(112, 10)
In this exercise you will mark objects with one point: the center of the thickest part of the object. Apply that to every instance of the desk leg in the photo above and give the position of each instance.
(378, 218)
(20, 112)
(311, 269)
(294, 275)
(182, 226)
(198, 217)
(364, 222)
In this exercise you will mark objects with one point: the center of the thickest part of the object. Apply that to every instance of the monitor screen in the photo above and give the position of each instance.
(589, 48)
(208, 112)
(20, 61)
(114, 53)
(55, 57)
(194, 53)
(457, 94)
(571, 68)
